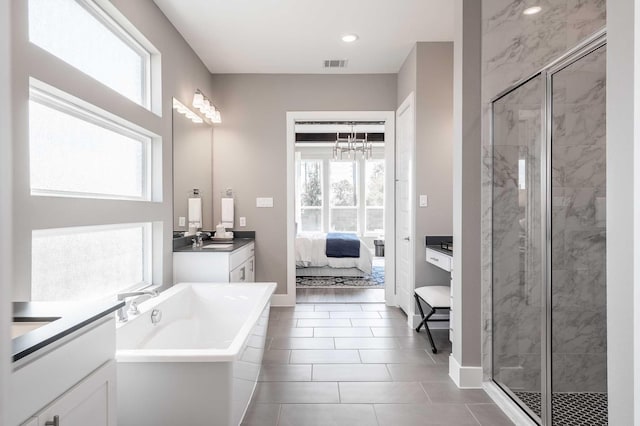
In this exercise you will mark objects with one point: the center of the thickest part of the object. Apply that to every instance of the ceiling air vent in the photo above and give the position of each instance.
(335, 63)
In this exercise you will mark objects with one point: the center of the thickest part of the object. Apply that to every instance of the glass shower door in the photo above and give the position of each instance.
(578, 247)
(518, 276)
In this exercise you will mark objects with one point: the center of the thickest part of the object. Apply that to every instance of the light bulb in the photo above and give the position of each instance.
(349, 38)
(198, 99)
(532, 10)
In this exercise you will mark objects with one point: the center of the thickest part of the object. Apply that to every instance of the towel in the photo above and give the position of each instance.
(195, 212)
(227, 212)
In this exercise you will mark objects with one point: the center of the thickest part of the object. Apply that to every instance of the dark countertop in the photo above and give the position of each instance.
(440, 250)
(236, 244)
(65, 317)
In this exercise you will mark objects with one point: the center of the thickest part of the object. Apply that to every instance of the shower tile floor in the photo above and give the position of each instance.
(359, 364)
(571, 408)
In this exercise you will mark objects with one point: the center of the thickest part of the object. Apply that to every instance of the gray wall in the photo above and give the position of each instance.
(467, 348)
(434, 152)
(182, 73)
(5, 207)
(428, 71)
(249, 147)
(192, 168)
(407, 76)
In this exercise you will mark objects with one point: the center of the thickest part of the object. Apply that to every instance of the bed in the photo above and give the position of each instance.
(312, 259)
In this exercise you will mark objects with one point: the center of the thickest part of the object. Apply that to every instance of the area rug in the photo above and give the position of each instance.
(375, 280)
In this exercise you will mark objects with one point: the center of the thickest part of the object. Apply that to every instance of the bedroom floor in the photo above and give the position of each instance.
(340, 295)
(359, 365)
(343, 294)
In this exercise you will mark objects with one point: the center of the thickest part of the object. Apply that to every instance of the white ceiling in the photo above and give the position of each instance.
(296, 36)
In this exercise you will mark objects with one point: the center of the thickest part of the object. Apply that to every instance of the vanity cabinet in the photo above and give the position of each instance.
(244, 272)
(73, 379)
(90, 402)
(441, 260)
(445, 262)
(215, 266)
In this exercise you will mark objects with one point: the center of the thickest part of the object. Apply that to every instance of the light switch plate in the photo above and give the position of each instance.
(243, 221)
(182, 221)
(424, 201)
(264, 202)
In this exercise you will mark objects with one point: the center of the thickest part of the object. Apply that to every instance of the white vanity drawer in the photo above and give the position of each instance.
(438, 259)
(241, 255)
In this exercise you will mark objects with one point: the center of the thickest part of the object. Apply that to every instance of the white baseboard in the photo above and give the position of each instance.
(507, 405)
(283, 300)
(437, 325)
(465, 377)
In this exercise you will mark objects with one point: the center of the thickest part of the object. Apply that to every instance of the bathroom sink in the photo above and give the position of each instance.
(217, 246)
(18, 328)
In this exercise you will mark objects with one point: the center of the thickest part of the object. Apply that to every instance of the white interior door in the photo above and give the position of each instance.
(405, 147)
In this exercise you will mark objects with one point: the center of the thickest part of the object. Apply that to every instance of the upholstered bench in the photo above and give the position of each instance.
(436, 297)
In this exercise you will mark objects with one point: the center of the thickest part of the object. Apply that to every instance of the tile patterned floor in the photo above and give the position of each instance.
(340, 295)
(359, 364)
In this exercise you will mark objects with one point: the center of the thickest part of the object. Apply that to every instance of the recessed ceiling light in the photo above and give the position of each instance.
(349, 38)
(532, 10)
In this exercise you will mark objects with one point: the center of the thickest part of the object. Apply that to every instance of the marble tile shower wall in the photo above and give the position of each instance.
(578, 251)
(515, 46)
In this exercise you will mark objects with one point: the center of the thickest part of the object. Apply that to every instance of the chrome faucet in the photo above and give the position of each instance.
(123, 313)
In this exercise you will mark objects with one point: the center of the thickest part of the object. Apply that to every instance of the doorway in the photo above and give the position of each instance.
(340, 180)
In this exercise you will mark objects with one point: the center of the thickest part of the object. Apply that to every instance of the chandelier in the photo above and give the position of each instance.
(352, 146)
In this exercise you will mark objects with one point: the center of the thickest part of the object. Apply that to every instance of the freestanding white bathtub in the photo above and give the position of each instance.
(200, 363)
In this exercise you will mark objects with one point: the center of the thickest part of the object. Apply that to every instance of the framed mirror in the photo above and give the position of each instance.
(192, 169)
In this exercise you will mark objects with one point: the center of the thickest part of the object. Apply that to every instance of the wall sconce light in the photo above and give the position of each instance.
(182, 109)
(206, 107)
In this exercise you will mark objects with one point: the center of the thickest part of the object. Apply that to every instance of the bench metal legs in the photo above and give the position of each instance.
(427, 318)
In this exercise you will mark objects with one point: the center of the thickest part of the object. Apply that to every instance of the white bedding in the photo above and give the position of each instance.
(310, 252)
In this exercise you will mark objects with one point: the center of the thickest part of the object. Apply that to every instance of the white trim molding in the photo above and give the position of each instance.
(465, 377)
(390, 243)
(289, 299)
(283, 300)
(6, 206)
(507, 405)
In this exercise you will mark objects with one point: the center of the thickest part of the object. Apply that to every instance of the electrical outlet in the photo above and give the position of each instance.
(243, 221)
(182, 221)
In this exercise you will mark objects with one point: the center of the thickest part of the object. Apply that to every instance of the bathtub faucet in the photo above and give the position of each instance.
(133, 309)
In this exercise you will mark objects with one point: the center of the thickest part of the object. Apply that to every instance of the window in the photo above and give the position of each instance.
(89, 263)
(84, 36)
(76, 153)
(311, 196)
(340, 196)
(374, 195)
(343, 211)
